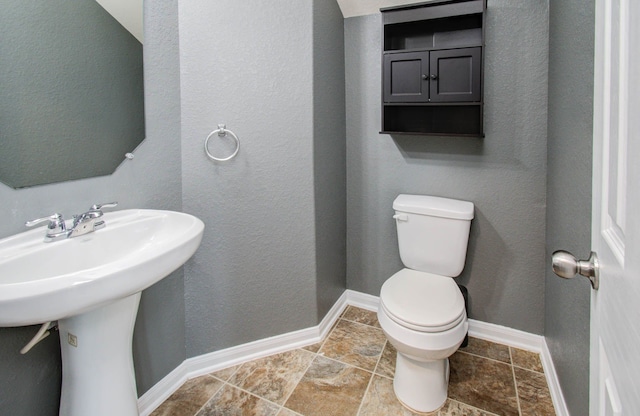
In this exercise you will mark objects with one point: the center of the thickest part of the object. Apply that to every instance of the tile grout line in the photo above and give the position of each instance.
(213, 395)
(488, 358)
(515, 382)
(473, 407)
(315, 355)
(498, 361)
(354, 365)
(347, 364)
(361, 323)
(373, 373)
(226, 382)
(366, 391)
(529, 370)
(356, 322)
(252, 394)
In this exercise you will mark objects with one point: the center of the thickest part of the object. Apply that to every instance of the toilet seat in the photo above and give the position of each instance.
(422, 301)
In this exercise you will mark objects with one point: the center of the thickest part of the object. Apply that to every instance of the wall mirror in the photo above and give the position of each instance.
(71, 91)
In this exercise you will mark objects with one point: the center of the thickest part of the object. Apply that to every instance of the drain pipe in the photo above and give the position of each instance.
(42, 333)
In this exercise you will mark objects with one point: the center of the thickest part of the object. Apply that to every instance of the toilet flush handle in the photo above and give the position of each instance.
(401, 217)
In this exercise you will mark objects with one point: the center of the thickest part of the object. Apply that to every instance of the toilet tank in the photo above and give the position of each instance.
(433, 233)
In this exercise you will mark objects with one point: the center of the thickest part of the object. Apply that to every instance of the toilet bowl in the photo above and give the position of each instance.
(424, 318)
(422, 312)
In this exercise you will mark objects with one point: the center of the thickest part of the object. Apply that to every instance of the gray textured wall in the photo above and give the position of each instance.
(251, 65)
(160, 328)
(571, 40)
(30, 384)
(329, 153)
(503, 174)
(69, 71)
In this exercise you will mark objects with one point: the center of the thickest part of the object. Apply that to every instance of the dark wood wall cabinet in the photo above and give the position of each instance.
(432, 64)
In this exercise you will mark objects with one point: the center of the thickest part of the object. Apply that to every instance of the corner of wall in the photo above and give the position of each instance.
(329, 160)
(568, 214)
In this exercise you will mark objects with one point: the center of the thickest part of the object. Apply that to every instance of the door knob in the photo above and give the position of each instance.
(567, 266)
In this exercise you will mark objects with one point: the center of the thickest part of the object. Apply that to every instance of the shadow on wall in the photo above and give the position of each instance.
(439, 147)
(487, 257)
(29, 395)
(496, 152)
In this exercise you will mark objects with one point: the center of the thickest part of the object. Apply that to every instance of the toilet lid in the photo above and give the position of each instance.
(423, 301)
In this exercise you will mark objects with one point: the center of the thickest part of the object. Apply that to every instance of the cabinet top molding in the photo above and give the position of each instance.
(428, 4)
(431, 10)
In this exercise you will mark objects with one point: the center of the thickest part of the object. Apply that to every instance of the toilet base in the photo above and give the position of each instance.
(421, 385)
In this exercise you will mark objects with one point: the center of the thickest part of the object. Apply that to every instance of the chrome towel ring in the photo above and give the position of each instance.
(221, 131)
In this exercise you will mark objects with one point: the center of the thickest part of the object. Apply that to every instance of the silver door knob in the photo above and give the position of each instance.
(567, 266)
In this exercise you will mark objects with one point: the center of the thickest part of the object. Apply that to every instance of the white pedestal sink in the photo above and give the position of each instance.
(91, 285)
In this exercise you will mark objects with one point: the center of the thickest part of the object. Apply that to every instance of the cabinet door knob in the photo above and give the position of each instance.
(425, 77)
(434, 77)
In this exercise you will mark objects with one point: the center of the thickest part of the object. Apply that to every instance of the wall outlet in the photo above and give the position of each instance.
(72, 340)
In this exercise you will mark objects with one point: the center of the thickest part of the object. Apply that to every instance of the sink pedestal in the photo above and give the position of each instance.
(97, 363)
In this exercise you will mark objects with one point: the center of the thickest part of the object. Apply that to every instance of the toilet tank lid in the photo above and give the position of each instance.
(434, 206)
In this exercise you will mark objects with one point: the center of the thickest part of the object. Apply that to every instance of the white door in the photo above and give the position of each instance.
(615, 307)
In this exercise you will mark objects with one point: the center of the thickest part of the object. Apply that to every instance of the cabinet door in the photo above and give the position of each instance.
(455, 75)
(406, 77)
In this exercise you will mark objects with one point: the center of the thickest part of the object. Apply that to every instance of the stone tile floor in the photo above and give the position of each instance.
(351, 373)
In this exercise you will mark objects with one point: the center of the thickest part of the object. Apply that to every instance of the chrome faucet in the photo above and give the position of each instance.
(90, 221)
(84, 223)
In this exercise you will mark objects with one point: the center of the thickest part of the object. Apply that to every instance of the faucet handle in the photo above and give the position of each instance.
(98, 207)
(56, 222)
(96, 212)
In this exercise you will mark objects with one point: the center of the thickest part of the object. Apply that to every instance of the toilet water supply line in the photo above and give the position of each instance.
(42, 333)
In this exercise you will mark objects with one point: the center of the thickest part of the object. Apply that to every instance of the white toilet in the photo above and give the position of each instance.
(422, 310)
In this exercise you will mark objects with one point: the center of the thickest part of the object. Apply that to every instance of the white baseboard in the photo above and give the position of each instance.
(217, 360)
(505, 335)
(554, 383)
(161, 391)
(362, 300)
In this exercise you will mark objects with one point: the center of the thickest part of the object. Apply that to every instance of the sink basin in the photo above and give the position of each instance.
(91, 286)
(41, 282)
